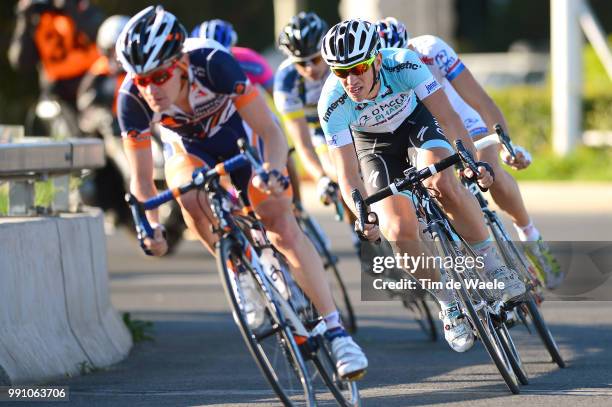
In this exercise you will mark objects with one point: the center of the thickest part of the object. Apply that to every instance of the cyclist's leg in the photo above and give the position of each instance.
(507, 195)
(458, 203)
(294, 178)
(181, 161)
(399, 225)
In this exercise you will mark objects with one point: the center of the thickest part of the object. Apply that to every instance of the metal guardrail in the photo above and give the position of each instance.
(33, 159)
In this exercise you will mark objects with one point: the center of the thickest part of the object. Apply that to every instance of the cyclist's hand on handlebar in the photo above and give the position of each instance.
(371, 231)
(520, 162)
(158, 246)
(327, 190)
(276, 184)
(485, 175)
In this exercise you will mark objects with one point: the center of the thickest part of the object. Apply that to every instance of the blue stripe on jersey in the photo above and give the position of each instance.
(455, 70)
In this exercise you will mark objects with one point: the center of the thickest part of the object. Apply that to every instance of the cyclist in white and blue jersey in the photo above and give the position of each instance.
(377, 104)
(297, 88)
(473, 104)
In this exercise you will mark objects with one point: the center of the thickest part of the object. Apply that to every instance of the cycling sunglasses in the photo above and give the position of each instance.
(357, 69)
(310, 61)
(158, 77)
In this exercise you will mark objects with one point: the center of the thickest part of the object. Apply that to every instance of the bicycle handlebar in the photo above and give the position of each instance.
(199, 177)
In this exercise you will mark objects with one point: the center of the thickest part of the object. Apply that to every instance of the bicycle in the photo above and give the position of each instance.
(516, 258)
(278, 323)
(485, 313)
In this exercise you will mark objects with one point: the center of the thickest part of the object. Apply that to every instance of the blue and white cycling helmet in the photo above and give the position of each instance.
(150, 39)
(392, 33)
(219, 30)
(350, 42)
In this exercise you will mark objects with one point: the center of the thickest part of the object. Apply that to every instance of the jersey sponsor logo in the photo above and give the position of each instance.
(421, 134)
(373, 178)
(403, 65)
(239, 88)
(427, 60)
(333, 141)
(431, 87)
(363, 120)
(443, 61)
(334, 106)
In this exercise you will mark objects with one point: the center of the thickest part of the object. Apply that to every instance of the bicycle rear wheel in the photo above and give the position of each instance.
(480, 319)
(531, 308)
(423, 316)
(270, 341)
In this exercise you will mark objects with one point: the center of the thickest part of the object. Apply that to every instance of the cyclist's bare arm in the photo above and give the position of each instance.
(300, 134)
(349, 176)
(256, 114)
(140, 161)
(439, 106)
(470, 90)
(474, 95)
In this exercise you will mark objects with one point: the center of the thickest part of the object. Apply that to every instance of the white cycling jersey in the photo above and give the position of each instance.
(445, 65)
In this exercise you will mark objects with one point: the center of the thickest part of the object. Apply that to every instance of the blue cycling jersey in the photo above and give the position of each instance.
(403, 78)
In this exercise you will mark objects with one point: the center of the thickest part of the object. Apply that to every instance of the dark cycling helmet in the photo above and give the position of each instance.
(218, 30)
(350, 42)
(392, 33)
(151, 38)
(301, 37)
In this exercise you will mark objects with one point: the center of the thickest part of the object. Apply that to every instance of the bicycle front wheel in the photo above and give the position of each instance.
(480, 319)
(267, 335)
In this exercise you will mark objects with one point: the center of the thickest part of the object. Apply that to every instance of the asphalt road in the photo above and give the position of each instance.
(198, 358)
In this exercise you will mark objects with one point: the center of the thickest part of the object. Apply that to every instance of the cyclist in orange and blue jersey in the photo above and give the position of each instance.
(203, 102)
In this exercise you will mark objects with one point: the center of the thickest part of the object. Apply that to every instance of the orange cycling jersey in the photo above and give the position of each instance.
(64, 52)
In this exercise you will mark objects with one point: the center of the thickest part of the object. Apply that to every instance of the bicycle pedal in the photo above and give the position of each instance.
(358, 375)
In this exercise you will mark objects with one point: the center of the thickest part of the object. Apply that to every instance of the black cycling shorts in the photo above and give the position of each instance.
(383, 157)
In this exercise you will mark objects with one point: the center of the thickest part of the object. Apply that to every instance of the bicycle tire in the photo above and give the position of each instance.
(339, 292)
(228, 249)
(513, 354)
(530, 307)
(423, 317)
(487, 335)
(542, 328)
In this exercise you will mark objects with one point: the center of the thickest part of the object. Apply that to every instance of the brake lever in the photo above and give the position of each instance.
(468, 159)
(505, 140)
(363, 215)
(141, 223)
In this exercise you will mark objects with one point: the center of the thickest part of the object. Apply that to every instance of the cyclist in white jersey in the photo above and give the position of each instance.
(473, 104)
(372, 99)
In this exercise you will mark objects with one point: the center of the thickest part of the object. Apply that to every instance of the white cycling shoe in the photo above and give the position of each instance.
(513, 286)
(351, 362)
(457, 330)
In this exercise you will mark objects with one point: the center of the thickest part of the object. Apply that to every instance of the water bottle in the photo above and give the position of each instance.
(253, 306)
(272, 268)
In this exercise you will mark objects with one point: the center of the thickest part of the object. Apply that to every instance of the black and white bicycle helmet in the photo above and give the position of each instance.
(350, 42)
(392, 33)
(151, 38)
(301, 37)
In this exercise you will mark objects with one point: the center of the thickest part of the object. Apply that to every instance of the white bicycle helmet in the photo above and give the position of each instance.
(109, 32)
(392, 33)
(151, 38)
(350, 42)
